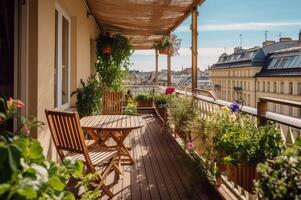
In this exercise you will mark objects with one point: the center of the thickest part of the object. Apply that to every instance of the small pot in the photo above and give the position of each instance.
(165, 51)
(107, 50)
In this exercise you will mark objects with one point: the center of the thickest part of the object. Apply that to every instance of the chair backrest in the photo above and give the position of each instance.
(66, 132)
(112, 103)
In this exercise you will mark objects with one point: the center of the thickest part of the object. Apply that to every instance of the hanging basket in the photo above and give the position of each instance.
(107, 50)
(165, 51)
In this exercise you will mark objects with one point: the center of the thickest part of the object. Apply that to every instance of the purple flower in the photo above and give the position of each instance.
(235, 106)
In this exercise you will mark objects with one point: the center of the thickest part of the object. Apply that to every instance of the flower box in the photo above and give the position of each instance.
(165, 51)
(145, 103)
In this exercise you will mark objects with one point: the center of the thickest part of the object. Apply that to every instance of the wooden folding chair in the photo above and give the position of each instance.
(113, 103)
(68, 138)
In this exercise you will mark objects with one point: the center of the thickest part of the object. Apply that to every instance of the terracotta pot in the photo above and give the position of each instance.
(146, 104)
(165, 51)
(107, 50)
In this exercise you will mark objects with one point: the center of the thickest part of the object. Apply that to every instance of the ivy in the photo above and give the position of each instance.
(112, 67)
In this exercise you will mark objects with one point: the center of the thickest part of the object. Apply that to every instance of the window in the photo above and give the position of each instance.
(299, 88)
(62, 60)
(263, 87)
(258, 86)
(290, 88)
(268, 89)
(275, 87)
(282, 88)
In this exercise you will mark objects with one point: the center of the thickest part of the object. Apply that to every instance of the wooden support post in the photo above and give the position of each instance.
(194, 49)
(157, 66)
(168, 70)
(262, 108)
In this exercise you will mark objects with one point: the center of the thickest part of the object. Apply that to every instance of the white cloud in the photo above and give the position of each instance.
(146, 62)
(241, 26)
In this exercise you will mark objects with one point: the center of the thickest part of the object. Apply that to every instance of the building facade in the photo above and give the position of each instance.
(247, 74)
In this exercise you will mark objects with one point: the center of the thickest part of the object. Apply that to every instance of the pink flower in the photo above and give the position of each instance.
(14, 102)
(169, 90)
(189, 146)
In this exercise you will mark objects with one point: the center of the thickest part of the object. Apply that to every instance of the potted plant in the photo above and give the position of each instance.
(242, 144)
(145, 100)
(182, 111)
(280, 179)
(130, 107)
(168, 45)
(162, 100)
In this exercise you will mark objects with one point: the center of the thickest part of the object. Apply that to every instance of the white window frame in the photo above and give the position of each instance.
(62, 13)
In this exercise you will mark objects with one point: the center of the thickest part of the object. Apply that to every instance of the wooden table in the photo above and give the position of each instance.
(118, 127)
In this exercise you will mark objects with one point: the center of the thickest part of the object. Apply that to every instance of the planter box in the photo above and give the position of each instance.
(242, 174)
(145, 104)
(163, 113)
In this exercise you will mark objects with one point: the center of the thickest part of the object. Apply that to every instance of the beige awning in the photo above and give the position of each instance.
(143, 21)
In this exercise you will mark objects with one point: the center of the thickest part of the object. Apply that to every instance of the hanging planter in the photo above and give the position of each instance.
(169, 45)
(107, 50)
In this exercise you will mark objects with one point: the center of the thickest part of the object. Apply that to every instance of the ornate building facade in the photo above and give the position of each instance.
(273, 70)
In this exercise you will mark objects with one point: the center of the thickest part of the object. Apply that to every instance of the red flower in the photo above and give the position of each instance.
(189, 146)
(169, 90)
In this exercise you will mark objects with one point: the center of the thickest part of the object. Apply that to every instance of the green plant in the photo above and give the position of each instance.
(182, 112)
(281, 178)
(171, 43)
(24, 171)
(161, 100)
(144, 97)
(112, 68)
(131, 107)
(240, 140)
(89, 97)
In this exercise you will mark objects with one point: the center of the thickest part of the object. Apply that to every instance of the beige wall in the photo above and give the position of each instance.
(228, 78)
(41, 56)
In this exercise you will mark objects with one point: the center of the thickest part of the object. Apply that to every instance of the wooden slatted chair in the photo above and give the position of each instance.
(113, 103)
(68, 138)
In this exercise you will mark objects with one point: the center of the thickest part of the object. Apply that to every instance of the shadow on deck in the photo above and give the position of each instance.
(161, 170)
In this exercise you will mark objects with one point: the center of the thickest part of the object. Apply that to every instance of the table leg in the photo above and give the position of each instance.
(123, 150)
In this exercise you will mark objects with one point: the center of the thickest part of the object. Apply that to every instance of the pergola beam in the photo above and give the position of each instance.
(194, 49)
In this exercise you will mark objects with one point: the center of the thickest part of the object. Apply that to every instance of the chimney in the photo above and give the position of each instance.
(267, 43)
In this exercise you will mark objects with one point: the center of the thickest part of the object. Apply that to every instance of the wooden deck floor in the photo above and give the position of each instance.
(161, 170)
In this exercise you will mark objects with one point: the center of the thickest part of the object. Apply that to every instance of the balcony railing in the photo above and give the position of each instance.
(290, 127)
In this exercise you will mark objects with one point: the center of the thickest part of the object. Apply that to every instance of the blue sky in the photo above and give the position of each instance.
(220, 24)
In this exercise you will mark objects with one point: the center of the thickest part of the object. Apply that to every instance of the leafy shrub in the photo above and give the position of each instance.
(24, 171)
(239, 138)
(89, 97)
(281, 178)
(182, 112)
(144, 97)
(131, 107)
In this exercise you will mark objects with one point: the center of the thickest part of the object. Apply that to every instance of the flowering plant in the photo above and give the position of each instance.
(169, 90)
(235, 107)
(169, 43)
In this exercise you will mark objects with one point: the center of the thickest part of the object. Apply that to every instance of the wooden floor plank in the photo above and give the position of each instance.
(160, 171)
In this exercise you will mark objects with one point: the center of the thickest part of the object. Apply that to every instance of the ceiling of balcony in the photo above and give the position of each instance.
(143, 21)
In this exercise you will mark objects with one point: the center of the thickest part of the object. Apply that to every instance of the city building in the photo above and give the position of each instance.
(273, 70)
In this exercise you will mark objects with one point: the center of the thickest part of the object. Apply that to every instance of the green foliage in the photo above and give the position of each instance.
(182, 112)
(24, 171)
(111, 68)
(171, 43)
(89, 97)
(281, 178)
(144, 97)
(162, 100)
(239, 138)
(131, 107)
